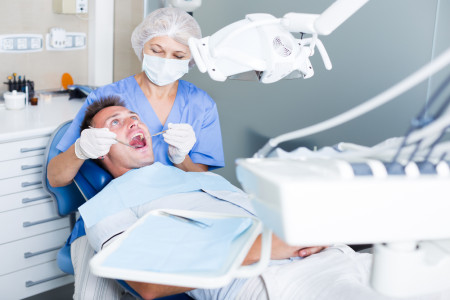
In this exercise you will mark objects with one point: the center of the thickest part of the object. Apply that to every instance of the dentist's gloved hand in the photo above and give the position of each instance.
(181, 139)
(94, 143)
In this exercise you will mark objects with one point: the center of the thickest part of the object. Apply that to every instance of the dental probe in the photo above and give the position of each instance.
(159, 133)
(126, 144)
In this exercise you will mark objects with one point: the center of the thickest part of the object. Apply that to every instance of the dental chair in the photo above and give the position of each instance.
(89, 180)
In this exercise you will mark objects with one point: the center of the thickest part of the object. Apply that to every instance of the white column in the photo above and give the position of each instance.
(100, 42)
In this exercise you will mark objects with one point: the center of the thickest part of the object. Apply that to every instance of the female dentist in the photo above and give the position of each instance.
(192, 140)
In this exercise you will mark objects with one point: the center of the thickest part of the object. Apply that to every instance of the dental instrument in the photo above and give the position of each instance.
(126, 144)
(158, 133)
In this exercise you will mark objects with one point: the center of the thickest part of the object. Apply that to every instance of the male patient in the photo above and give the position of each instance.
(335, 273)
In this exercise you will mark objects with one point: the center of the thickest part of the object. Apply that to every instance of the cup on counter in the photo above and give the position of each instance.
(14, 100)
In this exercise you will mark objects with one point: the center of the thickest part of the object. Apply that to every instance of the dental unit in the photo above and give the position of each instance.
(354, 196)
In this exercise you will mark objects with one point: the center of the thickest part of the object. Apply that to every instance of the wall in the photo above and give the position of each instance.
(378, 46)
(127, 15)
(46, 67)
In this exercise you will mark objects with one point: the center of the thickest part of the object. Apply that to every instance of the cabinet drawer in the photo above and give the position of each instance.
(20, 184)
(19, 167)
(30, 221)
(24, 199)
(32, 281)
(32, 251)
(24, 148)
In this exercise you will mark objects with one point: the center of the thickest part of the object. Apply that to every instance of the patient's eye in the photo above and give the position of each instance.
(114, 122)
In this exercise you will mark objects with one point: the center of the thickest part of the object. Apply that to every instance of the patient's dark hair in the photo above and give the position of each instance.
(97, 106)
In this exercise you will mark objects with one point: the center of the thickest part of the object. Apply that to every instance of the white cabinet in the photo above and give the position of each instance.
(31, 232)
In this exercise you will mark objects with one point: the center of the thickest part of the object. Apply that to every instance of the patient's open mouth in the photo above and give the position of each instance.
(138, 140)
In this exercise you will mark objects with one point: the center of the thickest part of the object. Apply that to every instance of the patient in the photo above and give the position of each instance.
(335, 273)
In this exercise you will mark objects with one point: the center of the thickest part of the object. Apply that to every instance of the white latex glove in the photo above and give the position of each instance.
(94, 143)
(181, 139)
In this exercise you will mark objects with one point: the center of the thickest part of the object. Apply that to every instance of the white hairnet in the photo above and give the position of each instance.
(168, 21)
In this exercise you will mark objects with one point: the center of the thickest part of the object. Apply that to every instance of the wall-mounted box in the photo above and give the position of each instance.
(70, 6)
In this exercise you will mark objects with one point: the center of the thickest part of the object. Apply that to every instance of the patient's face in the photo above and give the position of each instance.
(129, 129)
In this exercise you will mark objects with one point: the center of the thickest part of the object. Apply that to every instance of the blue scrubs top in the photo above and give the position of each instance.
(192, 105)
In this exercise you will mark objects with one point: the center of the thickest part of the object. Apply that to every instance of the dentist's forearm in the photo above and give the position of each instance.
(189, 166)
(62, 169)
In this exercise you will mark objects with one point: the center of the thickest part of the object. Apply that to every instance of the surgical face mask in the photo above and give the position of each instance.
(162, 71)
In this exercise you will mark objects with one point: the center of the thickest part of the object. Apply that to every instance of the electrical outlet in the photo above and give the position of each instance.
(72, 41)
(21, 43)
(57, 38)
(79, 41)
(69, 41)
(81, 6)
(8, 44)
(36, 43)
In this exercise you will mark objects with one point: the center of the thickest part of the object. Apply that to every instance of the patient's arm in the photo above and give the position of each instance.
(62, 169)
(279, 250)
(152, 291)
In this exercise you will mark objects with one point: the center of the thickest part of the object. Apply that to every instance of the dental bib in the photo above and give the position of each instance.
(146, 184)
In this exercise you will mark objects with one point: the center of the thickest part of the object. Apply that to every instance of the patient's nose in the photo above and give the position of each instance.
(132, 123)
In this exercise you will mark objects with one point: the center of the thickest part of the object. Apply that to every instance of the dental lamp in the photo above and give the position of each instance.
(262, 47)
(410, 258)
(186, 5)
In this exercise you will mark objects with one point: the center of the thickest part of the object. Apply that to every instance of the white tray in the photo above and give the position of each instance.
(213, 279)
(309, 202)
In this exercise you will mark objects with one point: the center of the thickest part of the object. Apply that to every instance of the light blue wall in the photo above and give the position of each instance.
(378, 46)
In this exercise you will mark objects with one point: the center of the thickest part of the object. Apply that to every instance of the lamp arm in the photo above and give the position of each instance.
(325, 23)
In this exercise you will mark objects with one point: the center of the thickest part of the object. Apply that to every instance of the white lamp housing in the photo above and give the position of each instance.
(258, 47)
(187, 5)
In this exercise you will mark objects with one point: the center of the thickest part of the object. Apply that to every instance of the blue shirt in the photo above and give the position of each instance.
(192, 105)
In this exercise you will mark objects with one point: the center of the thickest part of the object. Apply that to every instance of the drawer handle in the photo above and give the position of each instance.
(27, 184)
(31, 254)
(31, 283)
(28, 200)
(27, 167)
(29, 224)
(23, 150)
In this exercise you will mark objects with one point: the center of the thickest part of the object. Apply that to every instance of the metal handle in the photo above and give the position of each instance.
(27, 167)
(30, 283)
(27, 184)
(29, 224)
(23, 150)
(28, 200)
(31, 254)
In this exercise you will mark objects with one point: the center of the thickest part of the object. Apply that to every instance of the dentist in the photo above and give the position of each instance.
(192, 140)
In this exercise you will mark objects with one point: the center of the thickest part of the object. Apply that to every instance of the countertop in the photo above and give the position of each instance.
(39, 120)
